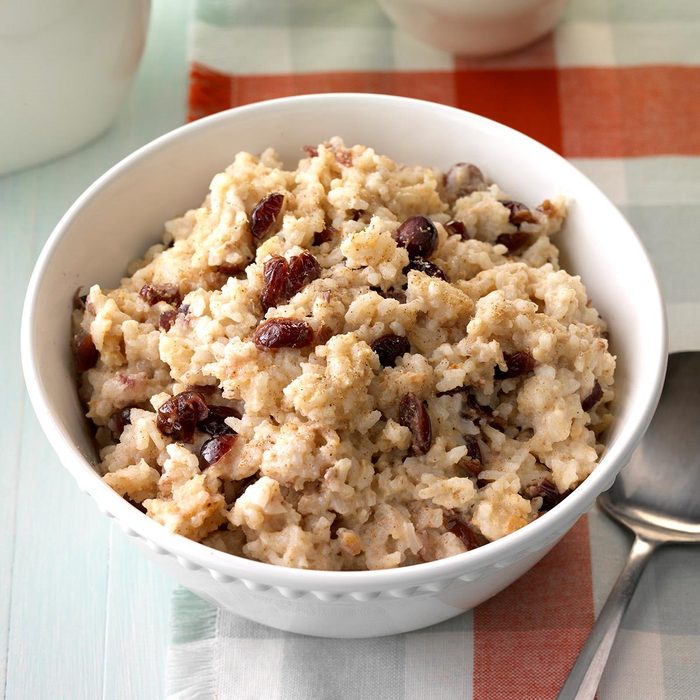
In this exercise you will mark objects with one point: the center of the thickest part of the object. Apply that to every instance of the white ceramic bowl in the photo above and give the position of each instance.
(123, 212)
(67, 66)
(475, 28)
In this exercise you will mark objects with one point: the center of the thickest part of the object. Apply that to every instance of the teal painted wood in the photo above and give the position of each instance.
(59, 581)
(14, 269)
(138, 618)
(82, 613)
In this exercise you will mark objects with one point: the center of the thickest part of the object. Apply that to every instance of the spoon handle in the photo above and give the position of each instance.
(584, 677)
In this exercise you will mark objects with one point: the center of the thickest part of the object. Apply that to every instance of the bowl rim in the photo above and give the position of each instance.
(544, 530)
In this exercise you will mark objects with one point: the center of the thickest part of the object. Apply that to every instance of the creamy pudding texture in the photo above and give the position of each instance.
(351, 365)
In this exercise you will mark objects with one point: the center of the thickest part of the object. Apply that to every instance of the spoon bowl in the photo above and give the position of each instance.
(657, 497)
(660, 488)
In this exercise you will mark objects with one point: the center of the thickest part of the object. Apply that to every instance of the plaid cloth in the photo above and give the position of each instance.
(616, 89)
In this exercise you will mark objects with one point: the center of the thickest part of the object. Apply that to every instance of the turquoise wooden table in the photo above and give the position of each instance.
(82, 613)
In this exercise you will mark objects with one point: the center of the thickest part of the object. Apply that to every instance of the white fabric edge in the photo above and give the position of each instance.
(190, 669)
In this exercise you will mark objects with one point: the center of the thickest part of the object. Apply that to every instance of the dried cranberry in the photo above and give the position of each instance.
(471, 468)
(283, 333)
(456, 228)
(519, 363)
(390, 347)
(80, 297)
(547, 491)
(475, 412)
(231, 270)
(86, 354)
(470, 538)
(118, 420)
(454, 392)
(303, 268)
(153, 293)
(215, 448)
(311, 151)
(179, 415)
(519, 213)
(274, 282)
(324, 334)
(463, 179)
(471, 463)
(167, 318)
(343, 156)
(234, 489)
(592, 398)
(515, 242)
(282, 279)
(413, 413)
(265, 214)
(473, 449)
(215, 424)
(426, 267)
(418, 236)
(336, 524)
(325, 235)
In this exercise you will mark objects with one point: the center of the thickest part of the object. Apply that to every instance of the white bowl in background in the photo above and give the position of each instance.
(475, 28)
(67, 66)
(123, 212)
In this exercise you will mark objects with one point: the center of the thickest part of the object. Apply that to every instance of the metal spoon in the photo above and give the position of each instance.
(656, 496)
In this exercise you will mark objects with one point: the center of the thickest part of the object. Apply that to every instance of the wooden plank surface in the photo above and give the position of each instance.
(82, 613)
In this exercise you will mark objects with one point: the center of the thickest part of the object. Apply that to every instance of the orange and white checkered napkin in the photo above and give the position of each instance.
(616, 89)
